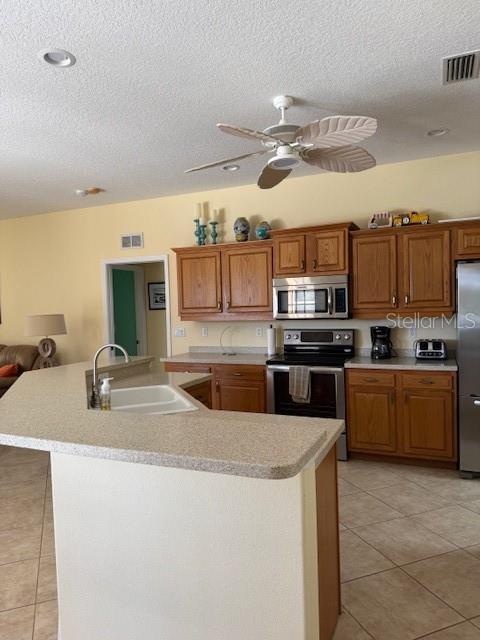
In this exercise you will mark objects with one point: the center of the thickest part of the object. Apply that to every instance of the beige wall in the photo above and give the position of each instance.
(52, 263)
(156, 319)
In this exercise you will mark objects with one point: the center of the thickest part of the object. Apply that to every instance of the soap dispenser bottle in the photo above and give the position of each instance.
(105, 395)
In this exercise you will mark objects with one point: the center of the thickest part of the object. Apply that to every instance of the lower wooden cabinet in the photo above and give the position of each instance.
(202, 392)
(403, 414)
(233, 388)
(239, 388)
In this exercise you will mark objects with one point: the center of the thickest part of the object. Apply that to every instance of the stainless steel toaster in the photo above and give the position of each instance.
(430, 349)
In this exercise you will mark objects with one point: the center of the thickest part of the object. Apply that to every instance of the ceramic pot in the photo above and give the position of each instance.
(262, 230)
(241, 228)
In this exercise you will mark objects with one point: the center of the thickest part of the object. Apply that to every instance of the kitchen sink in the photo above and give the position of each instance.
(153, 400)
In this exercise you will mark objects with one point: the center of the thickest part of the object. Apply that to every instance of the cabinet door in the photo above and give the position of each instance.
(289, 254)
(371, 424)
(467, 242)
(199, 282)
(247, 279)
(326, 251)
(374, 273)
(426, 270)
(239, 395)
(427, 423)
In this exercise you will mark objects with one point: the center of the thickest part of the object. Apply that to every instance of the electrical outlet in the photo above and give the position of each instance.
(180, 332)
(259, 332)
(204, 332)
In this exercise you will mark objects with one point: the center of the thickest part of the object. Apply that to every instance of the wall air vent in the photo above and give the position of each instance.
(465, 66)
(132, 241)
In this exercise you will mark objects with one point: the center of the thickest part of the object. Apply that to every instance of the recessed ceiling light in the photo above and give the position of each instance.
(437, 133)
(90, 191)
(57, 57)
(231, 167)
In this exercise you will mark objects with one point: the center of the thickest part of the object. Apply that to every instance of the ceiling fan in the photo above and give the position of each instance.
(327, 144)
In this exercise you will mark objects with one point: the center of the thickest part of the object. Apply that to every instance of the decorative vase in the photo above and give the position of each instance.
(262, 230)
(241, 228)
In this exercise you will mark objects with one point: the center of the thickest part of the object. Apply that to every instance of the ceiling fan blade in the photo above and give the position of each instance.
(242, 132)
(337, 131)
(271, 177)
(347, 159)
(227, 160)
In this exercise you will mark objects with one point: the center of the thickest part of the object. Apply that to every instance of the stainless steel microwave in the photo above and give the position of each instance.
(316, 297)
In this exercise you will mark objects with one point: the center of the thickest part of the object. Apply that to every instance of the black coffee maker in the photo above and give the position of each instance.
(381, 343)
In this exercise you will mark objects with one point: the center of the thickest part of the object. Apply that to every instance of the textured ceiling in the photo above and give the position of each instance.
(153, 77)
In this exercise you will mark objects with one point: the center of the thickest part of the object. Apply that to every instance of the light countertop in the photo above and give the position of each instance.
(47, 410)
(402, 362)
(207, 357)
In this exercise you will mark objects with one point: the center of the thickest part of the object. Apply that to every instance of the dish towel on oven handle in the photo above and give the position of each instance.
(299, 384)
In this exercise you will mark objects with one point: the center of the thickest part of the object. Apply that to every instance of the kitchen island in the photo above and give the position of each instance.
(202, 525)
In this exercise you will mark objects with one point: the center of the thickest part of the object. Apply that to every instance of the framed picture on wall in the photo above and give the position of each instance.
(156, 295)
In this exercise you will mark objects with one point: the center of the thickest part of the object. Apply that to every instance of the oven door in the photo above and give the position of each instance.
(310, 301)
(327, 397)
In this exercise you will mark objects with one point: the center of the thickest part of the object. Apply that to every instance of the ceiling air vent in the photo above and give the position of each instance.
(132, 241)
(465, 66)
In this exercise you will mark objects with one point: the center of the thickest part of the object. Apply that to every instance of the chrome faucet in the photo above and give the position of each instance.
(95, 398)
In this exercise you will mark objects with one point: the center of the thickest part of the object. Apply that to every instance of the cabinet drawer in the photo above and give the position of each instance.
(427, 380)
(186, 367)
(371, 378)
(240, 372)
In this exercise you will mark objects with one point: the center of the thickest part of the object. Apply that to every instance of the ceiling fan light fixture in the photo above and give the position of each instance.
(284, 159)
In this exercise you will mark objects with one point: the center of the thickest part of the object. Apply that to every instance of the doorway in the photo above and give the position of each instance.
(135, 316)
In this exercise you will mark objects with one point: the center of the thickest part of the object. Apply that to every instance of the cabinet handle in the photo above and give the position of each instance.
(219, 305)
(371, 379)
(426, 381)
(217, 385)
(228, 304)
(392, 397)
(236, 373)
(394, 300)
(314, 265)
(407, 299)
(302, 265)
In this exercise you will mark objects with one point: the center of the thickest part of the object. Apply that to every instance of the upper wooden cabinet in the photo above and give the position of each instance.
(247, 279)
(426, 269)
(466, 240)
(311, 250)
(289, 254)
(374, 273)
(402, 271)
(225, 282)
(199, 282)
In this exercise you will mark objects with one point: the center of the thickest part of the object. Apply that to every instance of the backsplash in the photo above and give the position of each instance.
(243, 334)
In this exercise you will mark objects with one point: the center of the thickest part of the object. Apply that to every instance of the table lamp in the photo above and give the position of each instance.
(46, 325)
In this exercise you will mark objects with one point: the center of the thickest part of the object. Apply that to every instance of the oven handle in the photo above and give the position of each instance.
(286, 367)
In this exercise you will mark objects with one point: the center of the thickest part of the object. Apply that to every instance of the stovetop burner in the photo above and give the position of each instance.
(313, 347)
(312, 360)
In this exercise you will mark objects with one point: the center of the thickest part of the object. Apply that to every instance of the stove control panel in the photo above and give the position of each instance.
(323, 337)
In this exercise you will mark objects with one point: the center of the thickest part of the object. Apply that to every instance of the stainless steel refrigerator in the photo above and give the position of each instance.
(468, 356)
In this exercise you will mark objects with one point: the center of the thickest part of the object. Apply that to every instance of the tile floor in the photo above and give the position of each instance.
(28, 608)
(410, 543)
(410, 553)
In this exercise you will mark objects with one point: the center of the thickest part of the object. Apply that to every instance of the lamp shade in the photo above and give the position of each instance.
(45, 325)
